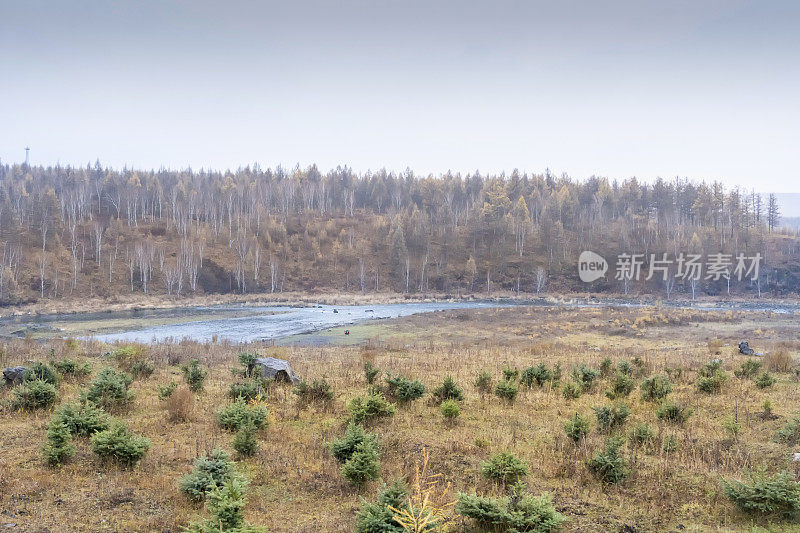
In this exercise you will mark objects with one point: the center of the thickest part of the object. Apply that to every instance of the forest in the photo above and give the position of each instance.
(76, 232)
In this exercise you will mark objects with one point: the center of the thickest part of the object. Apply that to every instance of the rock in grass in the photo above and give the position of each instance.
(13, 375)
(277, 369)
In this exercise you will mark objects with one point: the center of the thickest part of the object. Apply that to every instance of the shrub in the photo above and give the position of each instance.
(209, 471)
(671, 412)
(120, 445)
(180, 405)
(236, 415)
(642, 435)
(577, 427)
(365, 409)
(655, 388)
(34, 394)
(538, 375)
(621, 386)
(371, 372)
(142, 369)
(504, 468)
(711, 378)
(194, 375)
(625, 368)
(609, 417)
(450, 410)
(109, 389)
(363, 465)
(319, 392)
(507, 390)
(245, 442)
(790, 432)
(510, 374)
(250, 390)
(519, 512)
(778, 361)
(674, 372)
(226, 504)
(379, 516)
(41, 372)
(605, 366)
(344, 448)
(448, 390)
(571, 391)
(58, 447)
(748, 369)
(585, 375)
(484, 382)
(765, 380)
(165, 391)
(778, 495)
(608, 465)
(248, 362)
(404, 389)
(69, 367)
(731, 425)
(84, 419)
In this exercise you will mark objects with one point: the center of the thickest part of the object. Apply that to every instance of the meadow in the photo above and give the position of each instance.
(629, 419)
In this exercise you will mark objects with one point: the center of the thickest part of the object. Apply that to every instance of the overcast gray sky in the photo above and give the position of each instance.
(702, 89)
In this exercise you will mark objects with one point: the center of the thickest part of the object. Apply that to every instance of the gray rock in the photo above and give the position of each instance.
(13, 375)
(745, 348)
(277, 369)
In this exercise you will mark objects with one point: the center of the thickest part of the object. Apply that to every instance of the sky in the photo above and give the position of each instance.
(703, 89)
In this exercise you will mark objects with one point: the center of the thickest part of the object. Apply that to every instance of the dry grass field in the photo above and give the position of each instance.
(295, 484)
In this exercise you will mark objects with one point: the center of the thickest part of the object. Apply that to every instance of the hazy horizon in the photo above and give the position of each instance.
(705, 90)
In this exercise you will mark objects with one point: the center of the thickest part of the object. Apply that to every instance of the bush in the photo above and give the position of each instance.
(120, 445)
(448, 390)
(625, 368)
(748, 369)
(245, 442)
(571, 391)
(671, 412)
(142, 369)
(165, 391)
(365, 409)
(84, 419)
(450, 410)
(655, 388)
(194, 375)
(363, 465)
(711, 378)
(504, 468)
(209, 471)
(610, 417)
(507, 390)
(519, 512)
(378, 517)
(248, 362)
(403, 389)
(58, 447)
(585, 375)
(642, 435)
(371, 372)
(779, 495)
(609, 466)
(69, 367)
(319, 392)
(41, 372)
(180, 405)
(670, 444)
(251, 390)
(226, 504)
(109, 389)
(621, 386)
(577, 427)
(238, 414)
(538, 374)
(790, 432)
(510, 374)
(765, 380)
(484, 382)
(605, 366)
(344, 448)
(35, 394)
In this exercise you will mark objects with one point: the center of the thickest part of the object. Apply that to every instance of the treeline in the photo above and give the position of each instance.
(69, 232)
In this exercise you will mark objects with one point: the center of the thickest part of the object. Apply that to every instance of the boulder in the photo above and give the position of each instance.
(13, 375)
(745, 348)
(277, 369)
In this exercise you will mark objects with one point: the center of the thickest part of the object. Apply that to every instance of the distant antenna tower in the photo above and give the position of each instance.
(27, 152)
